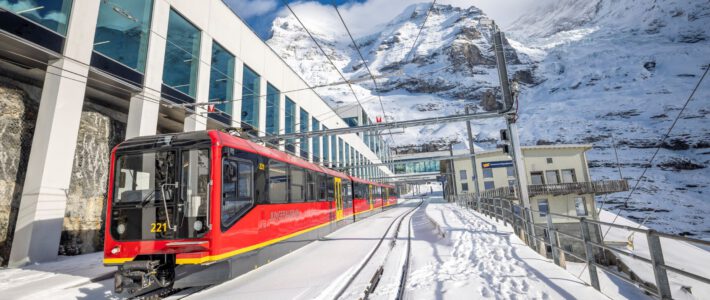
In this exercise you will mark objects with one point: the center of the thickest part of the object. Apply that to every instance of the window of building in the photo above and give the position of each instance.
(542, 207)
(315, 141)
(237, 189)
(510, 171)
(182, 55)
(462, 175)
(549, 160)
(303, 121)
(52, 14)
(464, 187)
(487, 173)
(568, 176)
(341, 157)
(489, 185)
(278, 182)
(222, 79)
(273, 96)
(297, 185)
(552, 177)
(580, 205)
(536, 178)
(290, 120)
(333, 150)
(251, 85)
(511, 182)
(346, 161)
(326, 147)
(121, 30)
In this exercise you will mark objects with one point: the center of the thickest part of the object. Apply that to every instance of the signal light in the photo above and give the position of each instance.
(210, 108)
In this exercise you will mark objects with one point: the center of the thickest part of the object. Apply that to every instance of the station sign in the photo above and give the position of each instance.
(497, 164)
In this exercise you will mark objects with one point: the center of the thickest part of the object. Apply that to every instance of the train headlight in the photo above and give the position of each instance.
(197, 225)
(121, 228)
(115, 250)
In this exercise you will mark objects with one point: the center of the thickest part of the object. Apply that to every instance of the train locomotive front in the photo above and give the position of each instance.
(159, 207)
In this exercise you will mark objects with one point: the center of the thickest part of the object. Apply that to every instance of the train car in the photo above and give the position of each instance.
(198, 208)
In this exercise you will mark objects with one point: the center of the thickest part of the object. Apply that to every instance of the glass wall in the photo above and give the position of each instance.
(341, 158)
(346, 161)
(272, 109)
(122, 31)
(290, 126)
(182, 53)
(315, 126)
(52, 14)
(416, 167)
(303, 120)
(333, 150)
(222, 78)
(251, 83)
(326, 151)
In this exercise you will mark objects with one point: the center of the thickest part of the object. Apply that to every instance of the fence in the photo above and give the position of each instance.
(520, 219)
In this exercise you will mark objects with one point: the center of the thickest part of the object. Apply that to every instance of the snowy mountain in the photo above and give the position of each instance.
(594, 71)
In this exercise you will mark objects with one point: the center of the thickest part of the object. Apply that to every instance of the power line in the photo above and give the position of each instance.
(377, 88)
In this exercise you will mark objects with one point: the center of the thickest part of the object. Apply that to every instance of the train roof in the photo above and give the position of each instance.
(205, 138)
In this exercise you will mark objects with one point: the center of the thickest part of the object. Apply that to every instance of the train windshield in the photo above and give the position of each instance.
(161, 194)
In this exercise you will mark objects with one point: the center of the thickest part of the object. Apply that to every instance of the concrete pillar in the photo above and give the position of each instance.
(144, 107)
(198, 120)
(44, 196)
(262, 107)
(237, 93)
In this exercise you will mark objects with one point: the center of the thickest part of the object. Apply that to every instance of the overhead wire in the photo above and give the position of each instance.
(364, 62)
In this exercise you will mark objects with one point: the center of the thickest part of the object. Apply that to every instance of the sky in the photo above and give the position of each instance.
(363, 16)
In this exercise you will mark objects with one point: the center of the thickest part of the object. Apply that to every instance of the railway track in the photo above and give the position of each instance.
(377, 275)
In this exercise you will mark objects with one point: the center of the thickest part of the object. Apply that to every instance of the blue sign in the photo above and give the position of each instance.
(497, 164)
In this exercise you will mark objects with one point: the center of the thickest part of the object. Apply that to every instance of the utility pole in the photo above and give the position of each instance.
(518, 163)
(472, 151)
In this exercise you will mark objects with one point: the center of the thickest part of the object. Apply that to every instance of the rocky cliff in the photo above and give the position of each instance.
(98, 134)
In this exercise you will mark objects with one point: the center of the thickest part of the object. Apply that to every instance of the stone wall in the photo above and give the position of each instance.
(98, 134)
(17, 118)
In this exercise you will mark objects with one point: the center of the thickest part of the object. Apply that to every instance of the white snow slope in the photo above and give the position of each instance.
(592, 70)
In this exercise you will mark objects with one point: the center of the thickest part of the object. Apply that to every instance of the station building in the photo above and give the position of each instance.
(558, 178)
(79, 76)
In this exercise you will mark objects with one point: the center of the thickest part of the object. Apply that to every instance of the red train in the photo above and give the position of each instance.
(198, 208)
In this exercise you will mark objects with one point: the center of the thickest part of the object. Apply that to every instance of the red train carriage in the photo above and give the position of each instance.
(198, 208)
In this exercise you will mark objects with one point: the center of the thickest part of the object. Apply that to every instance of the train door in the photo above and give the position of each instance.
(338, 198)
(370, 199)
(386, 200)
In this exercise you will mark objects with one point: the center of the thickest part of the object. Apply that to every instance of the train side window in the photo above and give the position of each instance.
(278, 182)
(322, 182)
(312, 183)
(347, 194)
(297, 184)
(237, 189)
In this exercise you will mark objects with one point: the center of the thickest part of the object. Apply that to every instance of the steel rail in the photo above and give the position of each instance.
(366, 262)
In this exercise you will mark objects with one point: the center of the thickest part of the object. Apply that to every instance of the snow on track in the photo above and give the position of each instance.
(479, 258)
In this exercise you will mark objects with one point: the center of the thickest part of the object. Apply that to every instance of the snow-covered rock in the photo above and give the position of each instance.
(592, 70)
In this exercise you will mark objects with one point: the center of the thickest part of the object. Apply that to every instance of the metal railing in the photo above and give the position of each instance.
(595, 187)
(519, 218)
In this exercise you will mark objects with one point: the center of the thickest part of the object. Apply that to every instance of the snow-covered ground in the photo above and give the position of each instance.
(65, 278)
(480, 258)
(456, 254)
